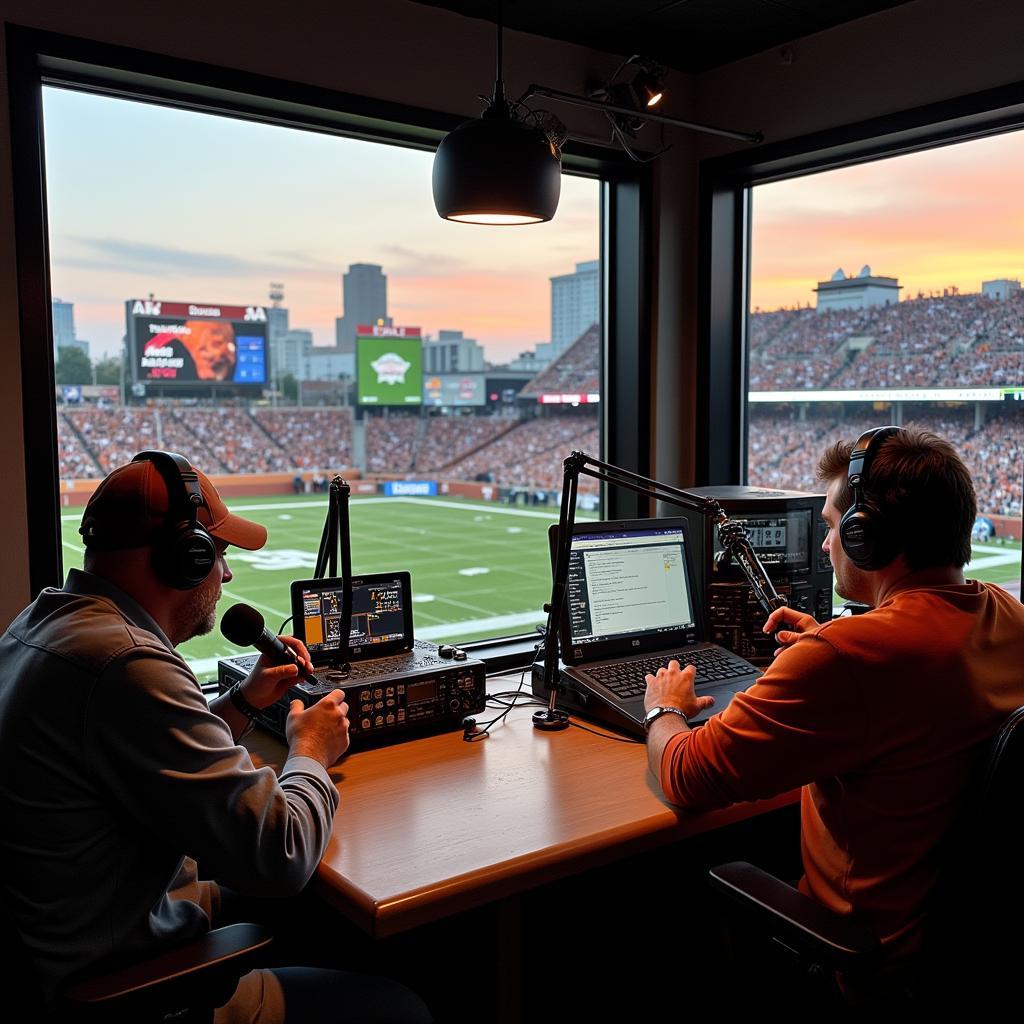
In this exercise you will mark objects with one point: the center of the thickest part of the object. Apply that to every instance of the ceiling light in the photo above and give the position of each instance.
(501, 168)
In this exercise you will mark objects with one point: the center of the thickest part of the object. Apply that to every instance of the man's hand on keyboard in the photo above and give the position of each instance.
(672, 687)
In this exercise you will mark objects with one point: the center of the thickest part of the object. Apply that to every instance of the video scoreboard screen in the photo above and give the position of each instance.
(389, 366)
(454, 389)
(194, 343)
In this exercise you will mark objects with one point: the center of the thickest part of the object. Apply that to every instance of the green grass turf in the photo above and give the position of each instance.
(478, 569)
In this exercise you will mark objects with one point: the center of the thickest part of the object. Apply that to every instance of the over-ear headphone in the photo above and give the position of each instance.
(184, 554)
(866, 538)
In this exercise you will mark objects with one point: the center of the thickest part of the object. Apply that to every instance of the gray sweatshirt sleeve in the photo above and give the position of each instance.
(174, 767)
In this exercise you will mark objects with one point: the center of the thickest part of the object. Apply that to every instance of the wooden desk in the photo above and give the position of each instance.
(432, 827)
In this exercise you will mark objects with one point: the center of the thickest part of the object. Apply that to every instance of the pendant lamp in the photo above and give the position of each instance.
(500, 168)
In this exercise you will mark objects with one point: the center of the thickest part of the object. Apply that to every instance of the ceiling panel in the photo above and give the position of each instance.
(688, 35)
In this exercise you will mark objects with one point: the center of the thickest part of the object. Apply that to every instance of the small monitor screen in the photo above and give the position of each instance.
(628, 584)
(379, 615)
(782, 542)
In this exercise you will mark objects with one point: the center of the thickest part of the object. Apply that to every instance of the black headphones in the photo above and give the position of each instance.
(184, 554)
(866, 539)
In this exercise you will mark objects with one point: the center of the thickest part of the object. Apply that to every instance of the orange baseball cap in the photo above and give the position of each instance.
(134, 504)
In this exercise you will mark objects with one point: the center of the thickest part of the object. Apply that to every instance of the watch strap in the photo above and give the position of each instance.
(237, 698)
(657, 712)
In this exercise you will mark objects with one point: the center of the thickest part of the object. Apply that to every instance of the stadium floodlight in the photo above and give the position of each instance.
(505, 167)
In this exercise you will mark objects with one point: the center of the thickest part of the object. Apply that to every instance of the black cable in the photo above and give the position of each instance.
(509, 699)
(283, 624)
(480, 734)
(606, 735)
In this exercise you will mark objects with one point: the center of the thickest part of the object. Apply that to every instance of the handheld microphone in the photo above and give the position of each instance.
(244, 627)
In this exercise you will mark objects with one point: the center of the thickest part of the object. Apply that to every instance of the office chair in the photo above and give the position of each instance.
(187, 981)
(972, 940)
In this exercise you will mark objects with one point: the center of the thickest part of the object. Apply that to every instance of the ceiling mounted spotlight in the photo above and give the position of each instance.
(504, 167)
(647, 86)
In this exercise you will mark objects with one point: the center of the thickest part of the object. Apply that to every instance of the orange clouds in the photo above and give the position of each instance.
(949, 216)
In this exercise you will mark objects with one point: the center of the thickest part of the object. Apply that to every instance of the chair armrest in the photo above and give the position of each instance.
(795, 918)
(213, 955)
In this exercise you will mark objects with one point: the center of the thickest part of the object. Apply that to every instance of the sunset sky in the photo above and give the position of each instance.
(208, 209)
(198, 208)
(950, 216)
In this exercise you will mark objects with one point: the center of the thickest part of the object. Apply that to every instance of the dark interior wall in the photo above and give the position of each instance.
(910, 56)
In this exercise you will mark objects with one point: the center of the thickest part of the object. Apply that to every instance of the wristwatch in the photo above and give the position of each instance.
(655, 713)
(237, 698)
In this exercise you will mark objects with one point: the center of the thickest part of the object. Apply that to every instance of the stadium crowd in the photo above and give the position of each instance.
(783, 450)
(391, 442)
(113, 435)
(576, 371)
(448, 438)
(966, 340)
(530, 455)
(309, 438)
(234, 438)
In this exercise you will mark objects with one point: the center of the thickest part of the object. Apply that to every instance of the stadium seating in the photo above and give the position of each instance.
(310, 438)
(531, 454)
(962, 340)
(449, 438)
(575, 371)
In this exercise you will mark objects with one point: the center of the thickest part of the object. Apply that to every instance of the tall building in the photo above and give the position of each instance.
(277, 321)
(63, 325)
(282, 355)
(450, 352)
(364, 300)
(575, 304)
(289, 351)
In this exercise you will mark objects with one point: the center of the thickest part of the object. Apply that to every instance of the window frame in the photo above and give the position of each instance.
(724, 231)
(37, 58)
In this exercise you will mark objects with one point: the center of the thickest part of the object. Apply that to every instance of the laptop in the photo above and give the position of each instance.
(630, 608)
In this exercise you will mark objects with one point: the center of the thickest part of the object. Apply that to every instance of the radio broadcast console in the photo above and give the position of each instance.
(396, 687)
(786, 530)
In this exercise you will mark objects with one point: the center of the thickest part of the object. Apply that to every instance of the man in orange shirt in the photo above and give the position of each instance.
(881, 717)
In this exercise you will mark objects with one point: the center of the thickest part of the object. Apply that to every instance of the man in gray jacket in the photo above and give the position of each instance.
(117, 776)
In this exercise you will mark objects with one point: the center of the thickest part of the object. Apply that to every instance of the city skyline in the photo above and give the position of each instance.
(198, 208)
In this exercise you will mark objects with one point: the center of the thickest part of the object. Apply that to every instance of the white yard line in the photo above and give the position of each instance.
(1006, 558)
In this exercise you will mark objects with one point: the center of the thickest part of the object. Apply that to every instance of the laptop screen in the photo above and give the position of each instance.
(628, 587)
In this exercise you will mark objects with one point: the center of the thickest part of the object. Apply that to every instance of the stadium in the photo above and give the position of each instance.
(463, 495)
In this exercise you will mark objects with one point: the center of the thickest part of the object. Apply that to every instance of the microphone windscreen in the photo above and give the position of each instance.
(242, 625)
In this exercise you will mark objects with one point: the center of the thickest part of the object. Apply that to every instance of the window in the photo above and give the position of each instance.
(890, 292)
(280, 306)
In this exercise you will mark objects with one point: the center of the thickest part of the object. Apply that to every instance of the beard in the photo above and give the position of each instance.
(199, 614)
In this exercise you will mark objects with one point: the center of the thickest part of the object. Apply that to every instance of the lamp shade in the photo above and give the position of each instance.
(497, 170)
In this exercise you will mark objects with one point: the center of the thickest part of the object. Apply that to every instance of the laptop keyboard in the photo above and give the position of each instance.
(626, 679)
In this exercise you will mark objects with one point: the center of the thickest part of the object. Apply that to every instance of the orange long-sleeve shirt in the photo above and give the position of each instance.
(881, 718)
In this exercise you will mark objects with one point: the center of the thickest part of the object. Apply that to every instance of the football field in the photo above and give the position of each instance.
(478, 569)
